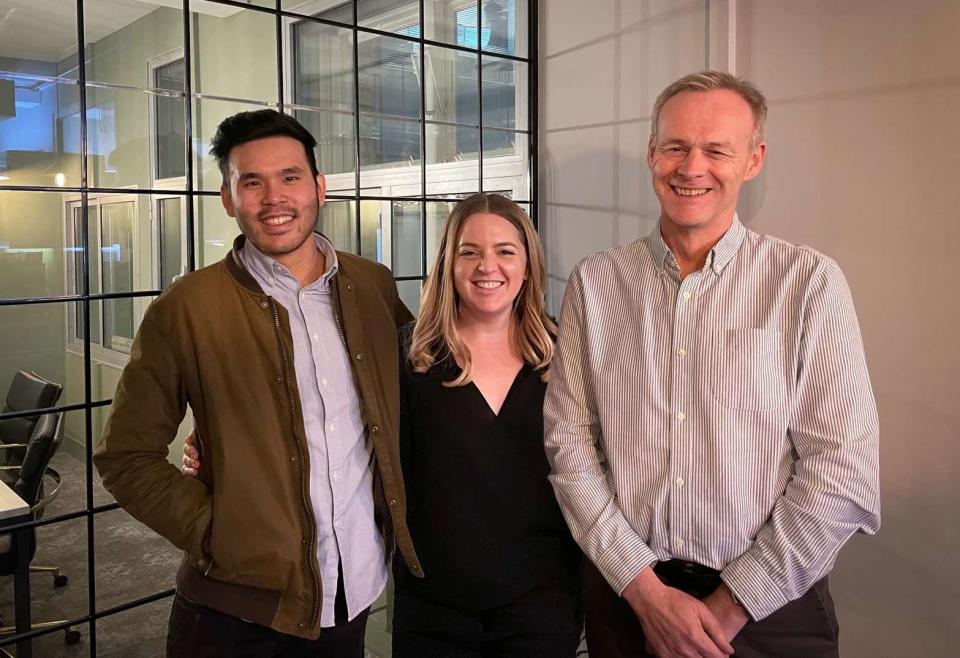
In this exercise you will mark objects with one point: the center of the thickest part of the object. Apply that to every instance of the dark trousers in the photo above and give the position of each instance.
(197, 631)
(804, 628)
(543, 623)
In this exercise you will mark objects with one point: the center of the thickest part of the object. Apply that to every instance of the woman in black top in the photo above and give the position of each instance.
(502, 574)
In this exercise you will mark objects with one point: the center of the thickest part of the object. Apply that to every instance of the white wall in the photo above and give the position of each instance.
(863, 130)
(864, 101)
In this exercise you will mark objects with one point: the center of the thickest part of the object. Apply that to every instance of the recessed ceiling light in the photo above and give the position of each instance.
(2, 177)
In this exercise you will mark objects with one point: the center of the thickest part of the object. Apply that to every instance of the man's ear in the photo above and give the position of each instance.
(227, 200)
(321, 188)
(757, 157)
(651, 149)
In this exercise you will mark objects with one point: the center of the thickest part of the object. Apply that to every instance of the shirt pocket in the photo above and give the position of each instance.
(746, 371)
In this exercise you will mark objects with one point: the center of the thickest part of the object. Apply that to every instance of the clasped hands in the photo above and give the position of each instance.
(677, 624)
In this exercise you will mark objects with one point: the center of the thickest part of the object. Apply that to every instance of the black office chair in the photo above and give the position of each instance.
(27, 481)
(27, 391)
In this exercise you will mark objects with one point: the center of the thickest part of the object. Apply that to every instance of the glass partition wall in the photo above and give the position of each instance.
(108, 195)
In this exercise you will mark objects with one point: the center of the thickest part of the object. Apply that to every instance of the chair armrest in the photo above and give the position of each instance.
(7, 446)
(50, 496)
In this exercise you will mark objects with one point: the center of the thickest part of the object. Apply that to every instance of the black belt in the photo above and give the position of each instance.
(690, 577)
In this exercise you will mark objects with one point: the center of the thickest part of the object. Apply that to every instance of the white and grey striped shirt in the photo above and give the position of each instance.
(725, 418)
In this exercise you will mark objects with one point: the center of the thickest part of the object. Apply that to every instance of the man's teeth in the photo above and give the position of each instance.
(690, 191)
(276, 221)
(489, 284)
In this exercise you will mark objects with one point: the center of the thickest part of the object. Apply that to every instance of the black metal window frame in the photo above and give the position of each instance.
(85, 297)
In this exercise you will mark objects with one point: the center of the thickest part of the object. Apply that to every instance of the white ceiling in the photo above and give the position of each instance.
(46, 30)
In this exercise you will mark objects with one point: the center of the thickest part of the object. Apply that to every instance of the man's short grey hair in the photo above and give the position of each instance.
(711, 81)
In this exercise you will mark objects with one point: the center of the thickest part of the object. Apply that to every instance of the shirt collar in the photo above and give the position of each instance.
(265, 267)
(719, 257)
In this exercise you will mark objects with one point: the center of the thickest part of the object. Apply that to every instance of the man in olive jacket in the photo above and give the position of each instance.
(286, 352)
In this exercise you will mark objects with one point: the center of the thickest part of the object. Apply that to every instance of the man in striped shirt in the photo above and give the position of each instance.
(709, 419)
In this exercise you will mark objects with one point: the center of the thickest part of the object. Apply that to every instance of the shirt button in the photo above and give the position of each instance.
(272, 280)
(324, 381)
(679, 542)
(359, 356)
(316, 338)
(679, 482)
(681, 352)
(336, 477)
(333, 427)
(686, 295)
(681, 416)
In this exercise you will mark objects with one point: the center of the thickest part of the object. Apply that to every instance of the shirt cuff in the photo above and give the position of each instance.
(753, 587)
(621, 563)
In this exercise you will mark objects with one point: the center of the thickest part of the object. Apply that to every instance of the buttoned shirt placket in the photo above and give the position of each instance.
(683, 294)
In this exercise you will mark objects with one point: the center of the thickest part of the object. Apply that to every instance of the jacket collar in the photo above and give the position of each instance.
(238, 270)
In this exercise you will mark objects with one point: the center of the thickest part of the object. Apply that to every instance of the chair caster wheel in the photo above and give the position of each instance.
(60, 581)
(71, 636)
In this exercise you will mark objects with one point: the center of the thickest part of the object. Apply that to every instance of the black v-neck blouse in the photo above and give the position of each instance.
(483, 516)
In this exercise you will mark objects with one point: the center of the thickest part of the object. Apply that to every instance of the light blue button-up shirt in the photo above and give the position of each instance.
(341, 456)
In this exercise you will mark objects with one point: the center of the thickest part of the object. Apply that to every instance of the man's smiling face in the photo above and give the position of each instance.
(273, 195)
(701, 155)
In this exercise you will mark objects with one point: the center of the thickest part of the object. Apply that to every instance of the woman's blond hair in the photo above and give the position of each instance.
(435, 336)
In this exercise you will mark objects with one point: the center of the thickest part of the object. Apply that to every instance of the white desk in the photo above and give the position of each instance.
(11, 504)
(13, 509)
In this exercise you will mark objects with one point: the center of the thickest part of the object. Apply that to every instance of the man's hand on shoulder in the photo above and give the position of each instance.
(731, 615)
(675, 623)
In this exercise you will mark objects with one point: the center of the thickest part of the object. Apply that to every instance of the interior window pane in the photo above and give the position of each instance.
(122, 36)
(215, 230)
(504, 27)
(409, 292)
(235, 54)
(437, 213)
(504, 93)
(452, 86)
(171, 240)
(506, 163)
(390, 156)
(330, 10)
(323, 93)
(39, 126)
(33, 337)
(452, 164)
(116, 257)
(406, 235)
(337, 221)
(400, 16)
(322, 66)
(389, 76)
(169, 120)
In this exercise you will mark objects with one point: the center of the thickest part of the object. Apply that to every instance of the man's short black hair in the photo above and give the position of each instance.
(247, 126)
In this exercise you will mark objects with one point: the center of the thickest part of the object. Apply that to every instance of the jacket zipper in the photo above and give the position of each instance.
(304, 495)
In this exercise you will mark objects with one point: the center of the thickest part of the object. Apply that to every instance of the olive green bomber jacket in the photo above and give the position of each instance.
(216, 342)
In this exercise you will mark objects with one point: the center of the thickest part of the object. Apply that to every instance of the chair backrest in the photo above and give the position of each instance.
(43, 444)
(28, 390)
